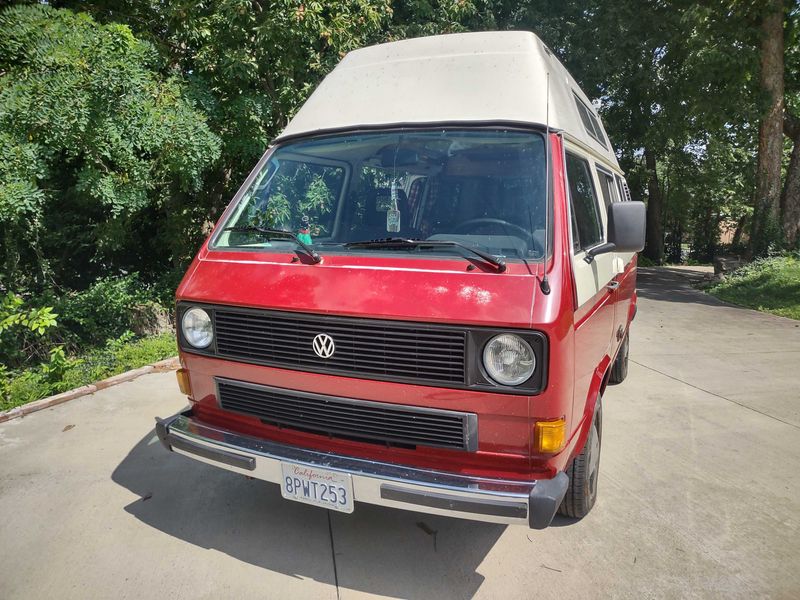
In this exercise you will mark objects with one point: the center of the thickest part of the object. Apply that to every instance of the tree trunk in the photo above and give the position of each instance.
(654, 245)
(790, 198)
(737, 234)
(766, 218)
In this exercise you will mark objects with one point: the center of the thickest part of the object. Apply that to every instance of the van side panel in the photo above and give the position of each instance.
(595, 311)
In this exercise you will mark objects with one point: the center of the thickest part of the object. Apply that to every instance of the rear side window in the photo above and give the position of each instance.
(607, 187)
(590, 122)
(583, 200)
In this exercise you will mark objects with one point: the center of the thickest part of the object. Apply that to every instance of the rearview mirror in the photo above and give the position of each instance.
(392, 156)
(626, 226)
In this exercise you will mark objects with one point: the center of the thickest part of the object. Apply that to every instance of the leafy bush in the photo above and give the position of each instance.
(105, 310)
(643, 261)
(62, 373)
(23, 330)
(95, 144)
(769, 284)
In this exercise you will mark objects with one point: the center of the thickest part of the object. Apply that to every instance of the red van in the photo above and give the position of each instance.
(420, 293)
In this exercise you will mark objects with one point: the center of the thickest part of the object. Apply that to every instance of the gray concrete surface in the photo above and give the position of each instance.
(699, 493)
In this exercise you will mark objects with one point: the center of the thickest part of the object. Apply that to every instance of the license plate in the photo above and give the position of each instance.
(319, 487)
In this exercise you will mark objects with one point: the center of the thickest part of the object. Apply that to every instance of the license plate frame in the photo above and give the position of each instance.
(318, 487)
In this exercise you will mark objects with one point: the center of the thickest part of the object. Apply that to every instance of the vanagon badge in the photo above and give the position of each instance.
(324, 346)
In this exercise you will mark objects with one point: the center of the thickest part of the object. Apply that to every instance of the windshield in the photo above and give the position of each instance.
(482, 188)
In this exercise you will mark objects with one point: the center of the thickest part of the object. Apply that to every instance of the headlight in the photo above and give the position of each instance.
(196, 327)
(509, 359)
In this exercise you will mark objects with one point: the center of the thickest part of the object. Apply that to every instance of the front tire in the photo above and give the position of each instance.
(583, 472)
(619, 370)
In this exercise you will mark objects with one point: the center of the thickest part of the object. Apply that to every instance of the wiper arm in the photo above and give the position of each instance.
(394, 242)
(267, 232)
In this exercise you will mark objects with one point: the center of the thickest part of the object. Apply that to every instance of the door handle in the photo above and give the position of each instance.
(612, 285)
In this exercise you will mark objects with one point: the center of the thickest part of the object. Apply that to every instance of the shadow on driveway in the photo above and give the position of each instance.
(378, 550)
(672, 285)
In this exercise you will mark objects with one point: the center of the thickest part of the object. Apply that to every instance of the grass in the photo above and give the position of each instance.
(771, 285)
(118, 356)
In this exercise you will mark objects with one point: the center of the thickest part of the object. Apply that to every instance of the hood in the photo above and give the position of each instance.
(419, 289)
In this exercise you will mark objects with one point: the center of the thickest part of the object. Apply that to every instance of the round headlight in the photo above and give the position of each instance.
(196, 327)
(509, 359)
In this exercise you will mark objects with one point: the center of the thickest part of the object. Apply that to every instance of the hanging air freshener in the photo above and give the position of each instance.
(393, 214)
(304, 233)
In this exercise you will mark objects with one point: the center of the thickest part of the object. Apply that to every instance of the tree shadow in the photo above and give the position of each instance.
(671, 285)
(377, 550)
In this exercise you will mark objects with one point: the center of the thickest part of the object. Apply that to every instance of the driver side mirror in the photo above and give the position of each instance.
(626, 226)
(626, 229)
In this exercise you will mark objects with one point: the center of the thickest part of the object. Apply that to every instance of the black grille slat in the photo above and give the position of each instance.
(351, 419)
(343, 344)
(326, 420)
(321, 406)
(270, 338)
(331, 411)
(421, 365)
(333, 427)
(365, 433)
(364, 325)
(333, 363)
(366, 347)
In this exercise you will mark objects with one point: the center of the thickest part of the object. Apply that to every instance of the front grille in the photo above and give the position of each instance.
(375, 422)
(364, 347)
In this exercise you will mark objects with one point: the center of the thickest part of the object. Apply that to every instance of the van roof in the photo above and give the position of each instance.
(455, 78)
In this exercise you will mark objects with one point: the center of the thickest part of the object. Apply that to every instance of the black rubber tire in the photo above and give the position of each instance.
(619, 370)
(583, 473)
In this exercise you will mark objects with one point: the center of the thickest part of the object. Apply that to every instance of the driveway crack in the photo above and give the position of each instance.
(691, 385)
(333, 555)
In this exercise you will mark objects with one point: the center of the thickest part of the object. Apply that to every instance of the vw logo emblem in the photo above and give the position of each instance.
(323, 345)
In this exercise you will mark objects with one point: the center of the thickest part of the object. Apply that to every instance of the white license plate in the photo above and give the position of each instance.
(319, 487)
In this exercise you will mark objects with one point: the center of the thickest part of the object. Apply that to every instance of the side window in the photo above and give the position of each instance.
(607, 187)
(590, 122)
(583, 201)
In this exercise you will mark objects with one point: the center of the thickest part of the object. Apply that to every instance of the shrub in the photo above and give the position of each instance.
(768, 284)
(62, 373)
(106, 310)
(101, 153)
(24, 330)
(643, 261)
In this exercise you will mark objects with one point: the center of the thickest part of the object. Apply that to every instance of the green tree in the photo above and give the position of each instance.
(250, 64)
(91, 139)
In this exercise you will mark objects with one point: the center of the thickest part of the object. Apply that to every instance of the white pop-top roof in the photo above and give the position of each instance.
(456, 78)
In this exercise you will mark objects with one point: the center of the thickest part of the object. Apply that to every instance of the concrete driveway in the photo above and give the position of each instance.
(699, 493)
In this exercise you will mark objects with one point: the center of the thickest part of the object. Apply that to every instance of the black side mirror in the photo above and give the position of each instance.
(626, 226)
(626, 229)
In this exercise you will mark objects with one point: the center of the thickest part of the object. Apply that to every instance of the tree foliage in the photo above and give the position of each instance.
(92, 137)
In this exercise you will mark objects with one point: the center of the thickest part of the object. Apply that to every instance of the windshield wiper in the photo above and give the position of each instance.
(395, 242)
(268, 233)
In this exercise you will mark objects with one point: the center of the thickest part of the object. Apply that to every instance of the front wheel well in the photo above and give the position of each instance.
(606, 377)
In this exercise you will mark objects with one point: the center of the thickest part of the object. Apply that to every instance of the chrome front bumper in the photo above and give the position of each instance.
(531, 503)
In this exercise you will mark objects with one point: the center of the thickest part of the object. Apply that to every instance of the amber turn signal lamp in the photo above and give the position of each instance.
(183, 381)
(550, 436)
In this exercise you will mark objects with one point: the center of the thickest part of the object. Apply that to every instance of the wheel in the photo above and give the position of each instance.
(619, 370)
(582, 472)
